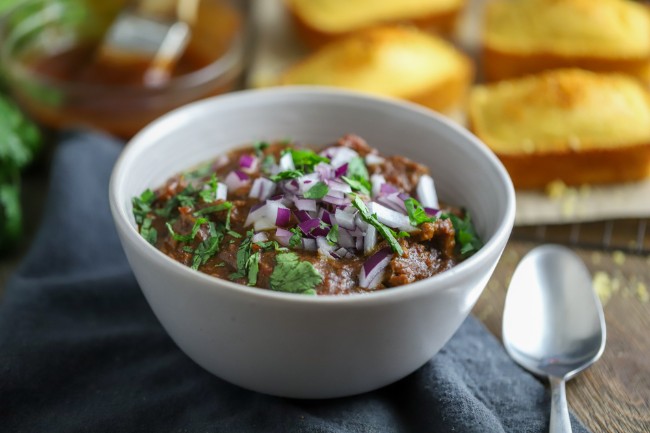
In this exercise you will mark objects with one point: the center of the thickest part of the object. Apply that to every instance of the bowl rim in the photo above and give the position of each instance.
(228, 64)
(148, 136)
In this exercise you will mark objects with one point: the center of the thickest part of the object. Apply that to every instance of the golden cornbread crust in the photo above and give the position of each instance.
(440, 83)
(572, 125)
(530, 36)
(443, 22)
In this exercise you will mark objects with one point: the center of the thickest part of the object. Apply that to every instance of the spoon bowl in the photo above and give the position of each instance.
(553, 322)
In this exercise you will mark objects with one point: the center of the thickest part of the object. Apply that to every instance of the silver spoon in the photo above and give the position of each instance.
(553, 323)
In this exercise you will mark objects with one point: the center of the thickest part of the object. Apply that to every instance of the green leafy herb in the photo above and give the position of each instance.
(357, 169)
(268, 163)
(209, 194)
(226, 205)
(234, 234)
(149, 233)
(293, 276)
(417, 214)
(403, 234)
(286, 175)
(187, 197)
(361, 185)
(371, 219)
(200, 172)
(317, 191)
(142, 205)
(208, 247)
(243, 255)
(333, 235)
(253, 266)
(259, 147)
(296, 240)
(267, 245)
(466, 235)
(305, 158)
(189, 237)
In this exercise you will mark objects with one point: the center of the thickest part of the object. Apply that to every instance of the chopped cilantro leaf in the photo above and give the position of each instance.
(466, 235)
(199, 172)
(268, 163)
(293, 276)
(187, 196)
(296, 240)
(317, 191)
(209, 194)
(148, 232)
(286, 175)
(253, 265)
(306, 158)
(333, 235)
(226, 205)
(234, 234)
(371, 219)
(357, 169)
(358, 184)
(190, 237)
(208, 247)
(403, 234)
(271, 244)
(259, 147)
(417, 214)
(142, 205)
(243, 255)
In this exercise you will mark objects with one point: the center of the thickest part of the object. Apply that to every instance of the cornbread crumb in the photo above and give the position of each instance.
(618, 257)
(556, 189)
(642, 292)
(603, 286)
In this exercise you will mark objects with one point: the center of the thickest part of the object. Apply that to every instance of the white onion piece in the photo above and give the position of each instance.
(236, 179)
(222, 191)
(345, 219)
(286, 162)
(263, 224)
(306, 182)
(277, 213)
(260, 237)
(426, 192)
(372, 271)
(255, 214)
(309, 244)
(390, 217)
(283, 236)
(345, 239)
(341, 155)
(372, 159)
(324, 246)
(336, 185)
(262, 188)
(359, 242)
(369, 240)
(377, 180)
(305, 204)
(361, 223)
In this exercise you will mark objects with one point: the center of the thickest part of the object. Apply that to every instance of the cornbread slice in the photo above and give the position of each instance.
(395, 61)
(528, 36)
(571, 125)
(321, 21)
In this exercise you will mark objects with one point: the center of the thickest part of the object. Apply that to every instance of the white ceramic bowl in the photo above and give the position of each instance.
(304, 346)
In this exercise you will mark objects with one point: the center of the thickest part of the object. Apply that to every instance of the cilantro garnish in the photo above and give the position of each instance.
(305, 158)
(417, 214)
(199, 172)
(371, 219)
(317, 191)
(267, 245)
(361, 185)
(259, 147)
(209, 195)
(142, 205)
(296, 240)
(286, 175)
(149, 233)
(466, 235)
(293, 276)
(187, 196)
(208, 247)
(268, 163)
(333, 235)
(244, 254)
(190, 237)
(226, 205)
(253, 265)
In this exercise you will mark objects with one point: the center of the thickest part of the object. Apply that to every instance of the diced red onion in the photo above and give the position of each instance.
(277, 213)
(302, 215)
(340, 171)
(431, 211)
(324, 246)
(262, 188)
(309, 225)
(369, 240)
(320, 231)
(337, 201)
(387, 188)
(260, 237)
(372, 271)
(359, 242)
(393, 201)
(345, 239)
(334, 193)
(286, 162)
(377, 180)
(309, 244)
(306, 182)
(248, 163)
(325, 216)
(343, 253)
(372, 159)
(283, 236)
(336, 185)
(360, 223)
(222, 191)
(324, 171)
(426, 192)
(341, 155)
(390, 217)
(236, 179)
(305, 204)
(221, 161)
(256, 213)
(345, 219)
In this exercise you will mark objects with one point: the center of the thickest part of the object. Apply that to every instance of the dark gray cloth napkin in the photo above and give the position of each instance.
(80, 350)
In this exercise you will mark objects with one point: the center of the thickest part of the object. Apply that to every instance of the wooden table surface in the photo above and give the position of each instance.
(613, 395)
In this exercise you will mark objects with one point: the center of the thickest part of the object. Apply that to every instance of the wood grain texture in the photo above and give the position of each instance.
(613, 395)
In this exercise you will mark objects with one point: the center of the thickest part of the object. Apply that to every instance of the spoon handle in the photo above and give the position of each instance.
(560, 422)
